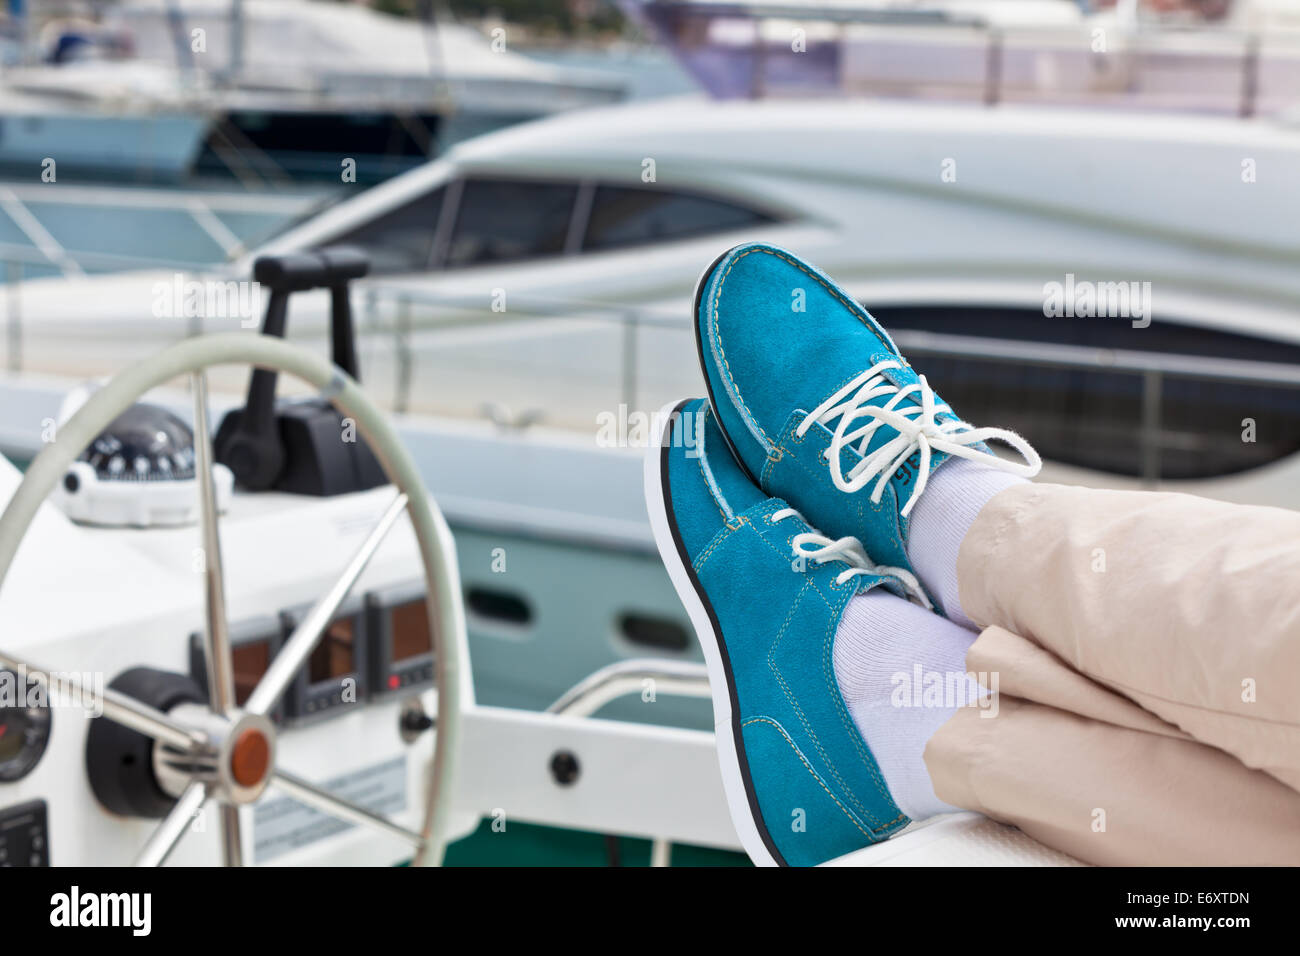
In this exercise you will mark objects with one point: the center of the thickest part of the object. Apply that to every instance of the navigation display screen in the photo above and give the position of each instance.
(411, 633)
(250, 663)
(335, 655)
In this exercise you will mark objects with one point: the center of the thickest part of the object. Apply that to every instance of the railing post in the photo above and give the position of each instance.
(194, 327)
(402, 355)
(370, 304)
(14, 323)
(758, 72)
(1152, 382)
(629, 361)
(993, 68)
(1249, 76)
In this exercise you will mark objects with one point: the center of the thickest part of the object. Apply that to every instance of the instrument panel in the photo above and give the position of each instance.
(400, 640)
(379, 646)
(24, 835)
(24, 725)
(138, 601)
(335, 675)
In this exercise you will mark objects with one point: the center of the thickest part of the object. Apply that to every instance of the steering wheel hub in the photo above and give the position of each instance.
(236, 763)
(246, 758)
(250, 758)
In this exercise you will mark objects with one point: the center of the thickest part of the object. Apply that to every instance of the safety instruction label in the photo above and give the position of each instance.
(283, 825)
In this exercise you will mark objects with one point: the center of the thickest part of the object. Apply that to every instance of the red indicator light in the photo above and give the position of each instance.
(394, 682)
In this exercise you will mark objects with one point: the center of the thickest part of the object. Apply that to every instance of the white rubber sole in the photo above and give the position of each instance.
(733, 779)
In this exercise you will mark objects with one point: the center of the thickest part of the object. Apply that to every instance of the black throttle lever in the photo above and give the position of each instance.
(297, 446)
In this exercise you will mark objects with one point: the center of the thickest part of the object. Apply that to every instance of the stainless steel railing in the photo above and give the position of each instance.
(400, 312)
(414, 354)
(855, 51)
(669, 677)
(1151, 368)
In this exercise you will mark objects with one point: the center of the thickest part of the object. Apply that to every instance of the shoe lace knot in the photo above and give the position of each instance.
(816, 547)
(920, 424)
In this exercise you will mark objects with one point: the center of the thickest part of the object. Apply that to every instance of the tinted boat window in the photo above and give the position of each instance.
(623, 216)
(500, 220)
(1093, 418)
(401, 240)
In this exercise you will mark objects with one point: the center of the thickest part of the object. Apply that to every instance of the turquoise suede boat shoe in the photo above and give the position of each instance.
(766, 592)
(818, 404)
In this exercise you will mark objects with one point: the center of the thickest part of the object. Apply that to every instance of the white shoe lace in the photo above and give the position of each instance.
(850, 551)
(916, 429)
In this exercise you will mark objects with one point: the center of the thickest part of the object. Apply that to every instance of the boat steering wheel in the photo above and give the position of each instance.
(229, 752)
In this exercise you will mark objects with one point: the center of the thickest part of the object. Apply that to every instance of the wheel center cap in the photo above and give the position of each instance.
(250, 757)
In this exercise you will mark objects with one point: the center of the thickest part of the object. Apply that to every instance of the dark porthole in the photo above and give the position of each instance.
(1092, 417)
(657, 632)
(501, 606)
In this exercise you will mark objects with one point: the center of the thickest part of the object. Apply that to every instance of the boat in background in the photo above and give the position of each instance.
(136, 141)
(1245, 62)
(279, 89)
(305, 83)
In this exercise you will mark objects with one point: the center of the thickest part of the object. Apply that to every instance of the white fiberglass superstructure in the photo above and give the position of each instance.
(544, 271)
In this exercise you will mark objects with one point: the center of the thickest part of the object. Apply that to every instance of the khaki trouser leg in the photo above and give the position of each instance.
(1088, 772)
(1187, 607)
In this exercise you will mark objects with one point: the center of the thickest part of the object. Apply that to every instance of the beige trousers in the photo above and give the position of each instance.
(1147, 652)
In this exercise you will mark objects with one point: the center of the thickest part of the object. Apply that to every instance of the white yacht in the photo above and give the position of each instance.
(547, 268)
(96, 119)
(296, 77)
(279, 88)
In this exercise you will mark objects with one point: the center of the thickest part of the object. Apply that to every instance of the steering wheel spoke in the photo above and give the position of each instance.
(116, 706)
(232, 836)
(308, 633)
(216, 632)
(174, 826)
(324, 801)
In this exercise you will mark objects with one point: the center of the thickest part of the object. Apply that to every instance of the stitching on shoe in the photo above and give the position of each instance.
(888, 501)
(803, 718)
(729, 528)
(813, 773)
(723, 534)
(706, 475)
(716, 327)
(855, 735)
(787, 555)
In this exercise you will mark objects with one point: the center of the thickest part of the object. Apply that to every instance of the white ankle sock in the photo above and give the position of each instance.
(953, 496)
(883, 647)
